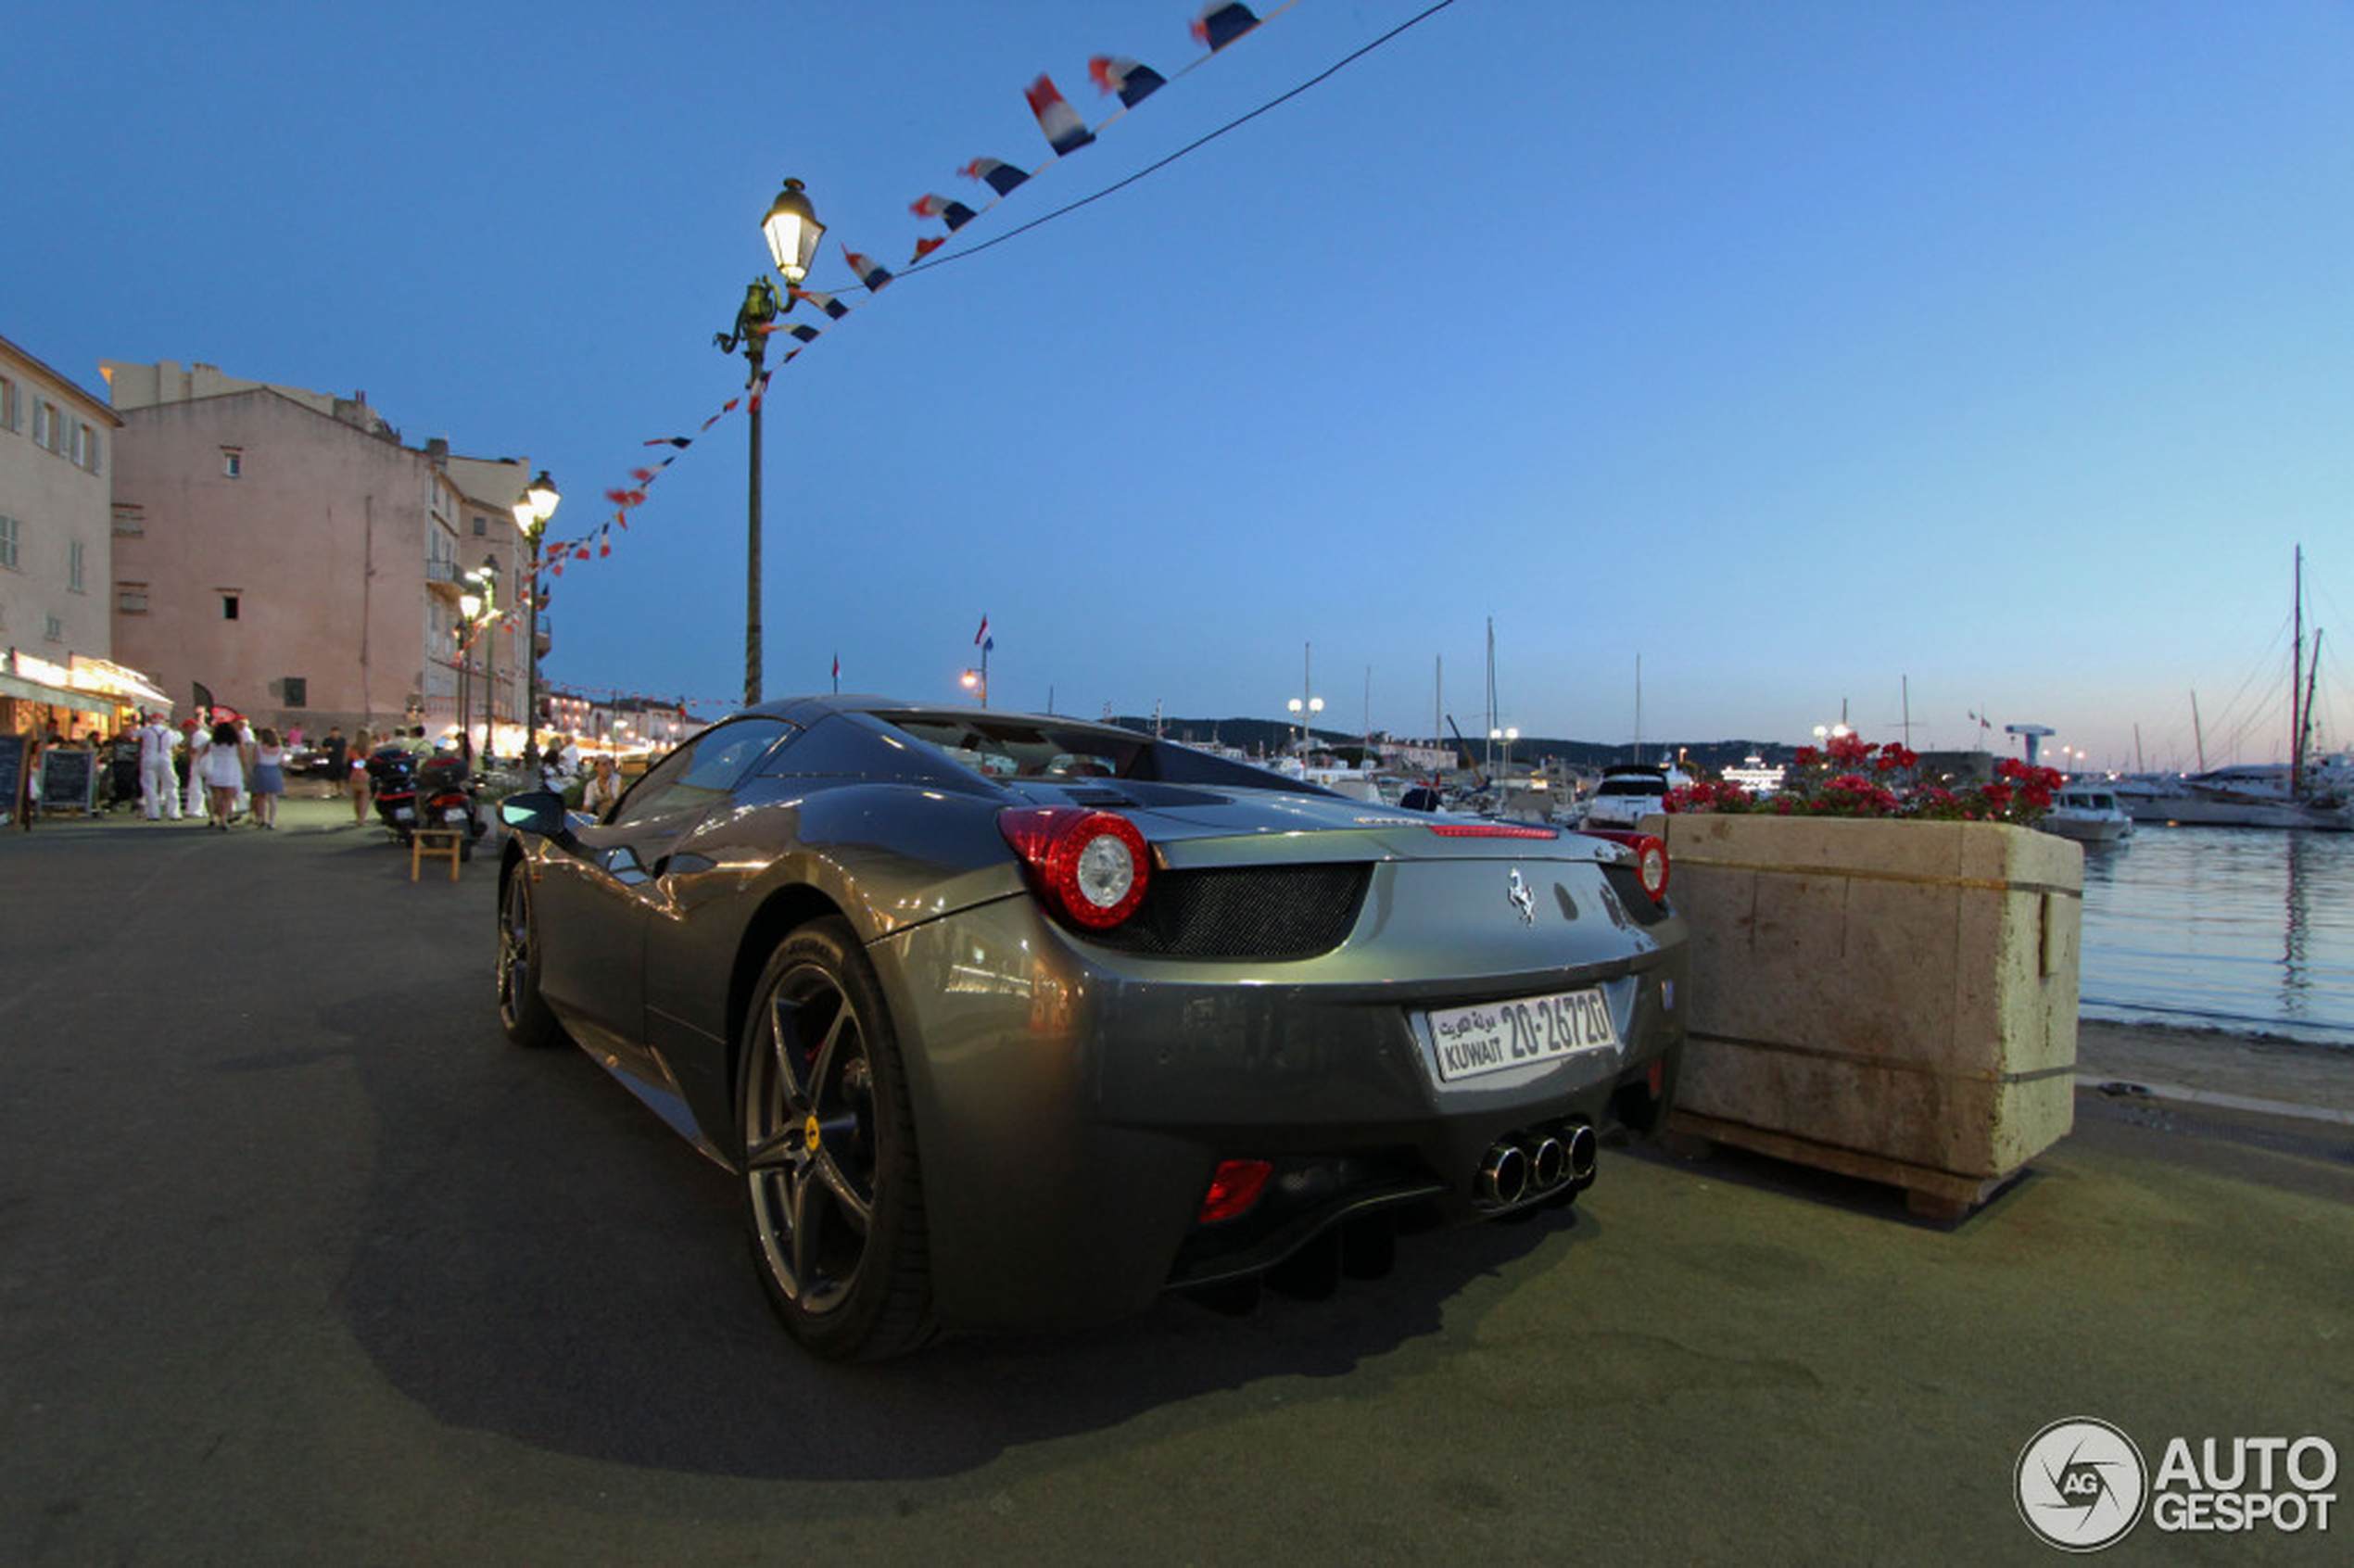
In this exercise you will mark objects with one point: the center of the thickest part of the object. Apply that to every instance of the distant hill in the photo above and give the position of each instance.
(1267, 735)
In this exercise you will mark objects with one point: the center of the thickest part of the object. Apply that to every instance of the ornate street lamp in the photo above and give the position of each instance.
(482, 614)
(792, 231)
(537, 505)
(469, 606)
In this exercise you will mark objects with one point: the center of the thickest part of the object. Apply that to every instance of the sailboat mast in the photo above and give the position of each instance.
(2297, 680)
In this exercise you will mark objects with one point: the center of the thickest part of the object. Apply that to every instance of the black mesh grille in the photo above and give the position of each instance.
(1244, 912)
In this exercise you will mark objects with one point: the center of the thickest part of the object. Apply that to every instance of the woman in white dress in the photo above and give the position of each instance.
(224, 767)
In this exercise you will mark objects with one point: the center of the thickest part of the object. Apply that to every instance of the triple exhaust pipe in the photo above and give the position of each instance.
(1532, 1164)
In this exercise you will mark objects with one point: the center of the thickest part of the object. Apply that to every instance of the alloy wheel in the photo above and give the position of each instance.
(810, 1145)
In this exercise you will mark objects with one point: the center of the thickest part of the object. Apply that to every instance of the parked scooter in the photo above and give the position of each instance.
(414, 793)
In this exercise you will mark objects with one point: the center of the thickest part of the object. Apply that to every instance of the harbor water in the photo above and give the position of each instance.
(2244, 930)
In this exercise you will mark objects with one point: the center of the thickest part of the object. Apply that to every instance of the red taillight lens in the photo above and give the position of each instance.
(1650, 865)
(1233, 1187)
(1091, 866)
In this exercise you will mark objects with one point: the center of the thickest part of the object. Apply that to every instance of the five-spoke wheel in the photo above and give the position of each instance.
(835, 1199)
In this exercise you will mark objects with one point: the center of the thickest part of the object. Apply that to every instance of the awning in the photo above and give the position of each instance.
(56, 696)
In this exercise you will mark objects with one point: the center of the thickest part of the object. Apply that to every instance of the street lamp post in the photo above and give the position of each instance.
(1507, 734)
(469, 606)
(793, 231)
(537, 505)
(1307, 705)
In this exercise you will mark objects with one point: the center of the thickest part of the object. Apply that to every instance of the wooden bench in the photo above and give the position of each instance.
(444, 841)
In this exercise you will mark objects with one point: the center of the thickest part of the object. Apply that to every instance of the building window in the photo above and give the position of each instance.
(76, 553)
(131, 599)
(11, 416)
(232, 462)
(130, 520)
(42, 431)
(55, 630)
(85, 447)
(9, 530)
(482, 524)
(297, 691)
(228, 606)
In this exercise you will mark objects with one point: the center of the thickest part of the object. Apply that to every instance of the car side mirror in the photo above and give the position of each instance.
(535, 811)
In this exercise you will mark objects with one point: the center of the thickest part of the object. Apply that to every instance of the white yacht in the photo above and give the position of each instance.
(2088, 813)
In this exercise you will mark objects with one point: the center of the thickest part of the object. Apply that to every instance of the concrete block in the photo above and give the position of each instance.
(1904, 991)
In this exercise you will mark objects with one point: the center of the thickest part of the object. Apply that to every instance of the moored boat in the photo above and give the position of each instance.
(2089, 813)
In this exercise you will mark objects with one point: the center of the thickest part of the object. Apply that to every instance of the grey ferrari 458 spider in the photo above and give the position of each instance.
(1013, 1022)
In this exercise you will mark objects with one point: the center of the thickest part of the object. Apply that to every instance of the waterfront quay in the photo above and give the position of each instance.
(301, 1262)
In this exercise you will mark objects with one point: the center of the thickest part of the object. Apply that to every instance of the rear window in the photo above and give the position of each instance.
(1020, 749)
(1633, 787)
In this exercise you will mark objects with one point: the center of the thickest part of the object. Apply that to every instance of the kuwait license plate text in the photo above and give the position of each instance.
(1527, 1030)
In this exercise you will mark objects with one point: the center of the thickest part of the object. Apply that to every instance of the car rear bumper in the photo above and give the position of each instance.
(1072, 1102)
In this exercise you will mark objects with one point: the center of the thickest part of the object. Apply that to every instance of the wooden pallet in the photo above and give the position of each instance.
(1943, 1197)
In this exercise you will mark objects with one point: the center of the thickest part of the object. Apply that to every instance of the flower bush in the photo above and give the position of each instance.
(1849, 777)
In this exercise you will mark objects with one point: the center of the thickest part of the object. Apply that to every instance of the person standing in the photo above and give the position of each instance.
(159, 786)
(197, 739)
(223, 769)
(269, 778)
(355, 773)
(336, 747)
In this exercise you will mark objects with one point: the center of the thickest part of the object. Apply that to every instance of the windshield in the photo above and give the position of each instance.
(1633, 787)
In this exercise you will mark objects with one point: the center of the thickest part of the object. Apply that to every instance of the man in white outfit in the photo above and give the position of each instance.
(159, 790)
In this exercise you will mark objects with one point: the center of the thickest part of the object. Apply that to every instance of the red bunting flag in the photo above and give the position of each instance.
(1065, 133)
(1003, 178)
(925, 247)
(1221, 22)
(874, 277)
(1118, 73)
(825, 302)
(955, 212)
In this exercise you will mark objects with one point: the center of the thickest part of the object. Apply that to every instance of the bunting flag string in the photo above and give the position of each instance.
(1219, 24)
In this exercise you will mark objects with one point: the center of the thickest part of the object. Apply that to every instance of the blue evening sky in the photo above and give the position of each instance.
(1800, 352)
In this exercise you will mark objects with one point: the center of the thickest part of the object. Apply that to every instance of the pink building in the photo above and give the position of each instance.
(285, 551)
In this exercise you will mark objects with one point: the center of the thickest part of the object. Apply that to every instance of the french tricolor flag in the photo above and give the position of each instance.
(874, 277)
(1065, 133)
(1003, 178)
(1221, 22)
(1119, 74)
(825, 302)
(956, 213)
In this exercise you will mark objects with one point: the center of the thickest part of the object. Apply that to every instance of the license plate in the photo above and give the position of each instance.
(401, 814)
(1523, 1032)
(453, 816)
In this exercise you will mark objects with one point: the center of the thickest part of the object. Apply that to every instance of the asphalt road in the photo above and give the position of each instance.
(301, 1263)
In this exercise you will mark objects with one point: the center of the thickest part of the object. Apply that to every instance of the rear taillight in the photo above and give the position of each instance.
(1650, 865)
(1651, 857)
(1091, 865)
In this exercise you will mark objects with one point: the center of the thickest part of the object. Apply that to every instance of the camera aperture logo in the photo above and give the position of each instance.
(2081, 1484)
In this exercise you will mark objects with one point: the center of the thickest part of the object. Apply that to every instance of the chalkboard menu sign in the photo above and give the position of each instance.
(69, 779)
(11, 776)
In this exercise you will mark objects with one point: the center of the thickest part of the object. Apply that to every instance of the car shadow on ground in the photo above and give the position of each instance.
(539, 1256)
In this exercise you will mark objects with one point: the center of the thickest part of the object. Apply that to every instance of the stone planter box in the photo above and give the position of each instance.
(1892, 1000)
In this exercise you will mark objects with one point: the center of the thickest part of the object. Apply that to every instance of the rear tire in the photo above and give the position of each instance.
(833, 1189)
